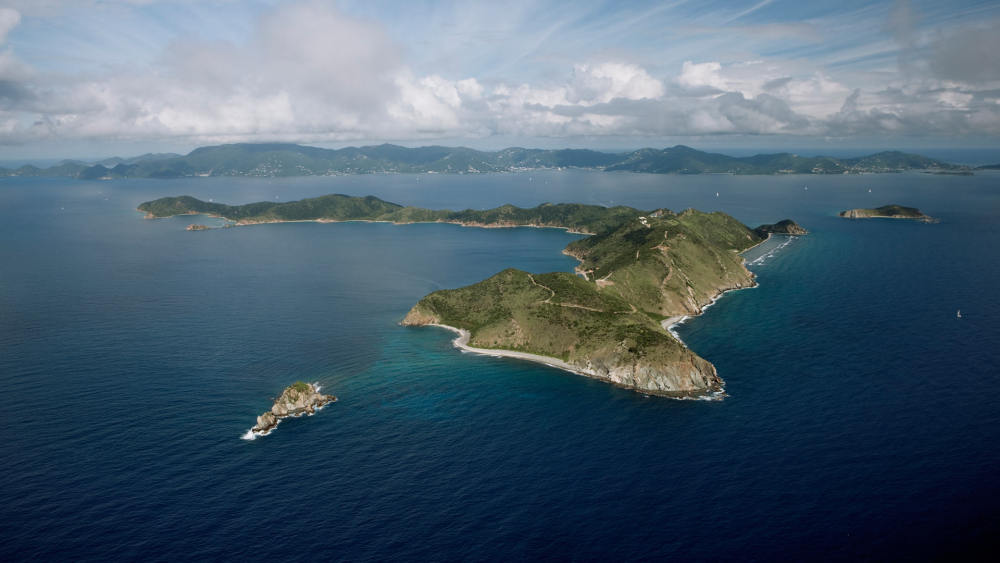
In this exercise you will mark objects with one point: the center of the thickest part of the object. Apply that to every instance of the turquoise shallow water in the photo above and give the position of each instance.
(861, 417)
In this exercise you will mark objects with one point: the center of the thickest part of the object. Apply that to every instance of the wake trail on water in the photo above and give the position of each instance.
(771, 253)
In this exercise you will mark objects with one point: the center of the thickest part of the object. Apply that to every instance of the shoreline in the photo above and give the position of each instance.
(670, 323)
(924, 219)
(232, 223)
(462, 343)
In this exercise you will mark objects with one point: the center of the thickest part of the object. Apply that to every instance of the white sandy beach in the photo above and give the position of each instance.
(462, 343)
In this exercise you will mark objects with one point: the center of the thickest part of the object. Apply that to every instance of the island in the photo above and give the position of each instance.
(888, 212)
(638, 272)
(287, 159)
(297, 399)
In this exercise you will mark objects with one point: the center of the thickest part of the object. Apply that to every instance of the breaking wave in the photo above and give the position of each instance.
(771, 253)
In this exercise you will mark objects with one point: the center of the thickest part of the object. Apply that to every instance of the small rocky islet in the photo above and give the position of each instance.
(891, 211)
(296, 400)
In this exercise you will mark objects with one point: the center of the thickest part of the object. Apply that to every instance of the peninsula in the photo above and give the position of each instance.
(637, 270)
(296, 400)
(888, 212)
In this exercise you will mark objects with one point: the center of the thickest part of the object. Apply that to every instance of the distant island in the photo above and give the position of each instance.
(297, 399)
(639, 272)
(284, 159)
(888, 212)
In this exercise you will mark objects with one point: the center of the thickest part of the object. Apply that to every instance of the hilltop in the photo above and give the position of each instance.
(285, 159)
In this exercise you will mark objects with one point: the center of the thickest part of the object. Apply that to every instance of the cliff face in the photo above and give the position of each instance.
(690, 375)
(296, 400)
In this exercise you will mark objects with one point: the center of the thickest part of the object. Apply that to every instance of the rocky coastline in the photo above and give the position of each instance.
(690, 377)
(296, 400)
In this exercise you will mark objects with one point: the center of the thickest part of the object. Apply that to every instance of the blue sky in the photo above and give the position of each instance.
(127, 76)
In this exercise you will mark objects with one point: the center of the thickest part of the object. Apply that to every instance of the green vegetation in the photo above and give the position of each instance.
(887, 211)
(284, 159)
(606, 321)
(337, 207)
(784, 227)
(668, 264)
(637, 269)
(685, 160)
(557, 315)
(300, 386)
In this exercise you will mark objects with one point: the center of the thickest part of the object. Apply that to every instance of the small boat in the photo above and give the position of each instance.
(716, 194)
(869, 190)
(958, 314)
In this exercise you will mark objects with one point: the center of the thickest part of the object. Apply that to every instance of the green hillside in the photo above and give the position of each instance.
(285, 159)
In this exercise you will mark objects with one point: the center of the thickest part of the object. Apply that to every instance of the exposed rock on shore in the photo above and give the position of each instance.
(786, 227)
(297, 399)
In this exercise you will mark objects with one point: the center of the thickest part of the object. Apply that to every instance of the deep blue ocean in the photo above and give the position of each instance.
(862, 418)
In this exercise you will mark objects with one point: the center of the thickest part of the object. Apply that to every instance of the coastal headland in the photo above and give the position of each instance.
(637, 269)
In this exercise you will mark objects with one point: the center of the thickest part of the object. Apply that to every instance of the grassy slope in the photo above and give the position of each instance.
(673, 266)
(557, 314)
(660, 266)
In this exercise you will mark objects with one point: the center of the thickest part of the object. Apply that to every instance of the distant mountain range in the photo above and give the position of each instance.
(282, 160)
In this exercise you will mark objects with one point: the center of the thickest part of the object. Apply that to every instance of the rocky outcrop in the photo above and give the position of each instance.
(419, 316)
(296, 400)
(689, 376)
(786, 227)
(195, 227)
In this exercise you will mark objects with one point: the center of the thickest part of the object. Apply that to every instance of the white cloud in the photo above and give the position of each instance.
(954, 99)
(9, 18)
(701, 75)
(604, 82)
(310, 73)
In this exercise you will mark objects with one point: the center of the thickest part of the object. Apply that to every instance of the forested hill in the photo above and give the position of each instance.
(282, 159)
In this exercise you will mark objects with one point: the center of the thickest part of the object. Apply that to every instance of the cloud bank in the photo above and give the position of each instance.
(311, 73)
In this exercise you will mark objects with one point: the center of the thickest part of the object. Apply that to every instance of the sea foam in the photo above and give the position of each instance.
(771, 253)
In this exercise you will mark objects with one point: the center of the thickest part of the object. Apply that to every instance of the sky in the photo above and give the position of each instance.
(99, 77)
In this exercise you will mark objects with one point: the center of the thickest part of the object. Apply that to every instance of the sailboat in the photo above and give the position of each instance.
(958, 314)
